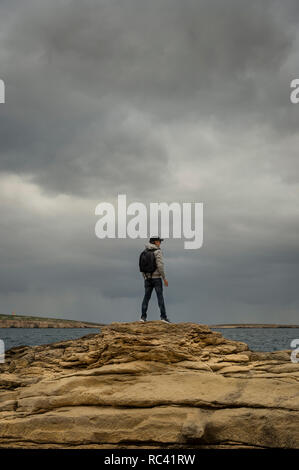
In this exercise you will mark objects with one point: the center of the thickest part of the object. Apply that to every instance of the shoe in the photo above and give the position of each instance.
(165, 319)
(142, 319)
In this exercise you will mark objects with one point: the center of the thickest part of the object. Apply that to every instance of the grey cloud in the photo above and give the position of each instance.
(160, 100)
(76, 72)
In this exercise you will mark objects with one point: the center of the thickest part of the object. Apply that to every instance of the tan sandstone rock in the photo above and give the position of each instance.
(148, 385)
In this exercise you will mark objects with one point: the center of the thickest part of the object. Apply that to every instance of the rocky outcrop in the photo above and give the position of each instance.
(148, 385)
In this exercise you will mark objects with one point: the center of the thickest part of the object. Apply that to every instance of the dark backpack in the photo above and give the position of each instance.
(147, 261)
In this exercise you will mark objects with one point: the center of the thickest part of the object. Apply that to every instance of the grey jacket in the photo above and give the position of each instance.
(159, 260)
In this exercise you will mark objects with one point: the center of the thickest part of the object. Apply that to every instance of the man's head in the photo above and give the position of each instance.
(156, 240)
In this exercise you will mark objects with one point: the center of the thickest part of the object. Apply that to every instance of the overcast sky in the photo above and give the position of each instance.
(164, 101)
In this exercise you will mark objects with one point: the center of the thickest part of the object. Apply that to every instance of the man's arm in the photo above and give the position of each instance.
(160, 264)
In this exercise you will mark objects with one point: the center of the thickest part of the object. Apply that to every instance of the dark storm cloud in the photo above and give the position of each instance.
(161, 100)
(89, 83)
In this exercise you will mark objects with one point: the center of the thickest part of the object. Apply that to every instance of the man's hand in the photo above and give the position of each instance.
(165, 282)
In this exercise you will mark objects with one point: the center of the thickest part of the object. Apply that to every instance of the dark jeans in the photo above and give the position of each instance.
(149, 285)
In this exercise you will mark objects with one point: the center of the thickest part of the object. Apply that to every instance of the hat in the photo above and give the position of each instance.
(156, 239)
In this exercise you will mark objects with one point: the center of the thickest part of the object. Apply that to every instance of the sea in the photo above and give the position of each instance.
(258, 339)
(35, 336)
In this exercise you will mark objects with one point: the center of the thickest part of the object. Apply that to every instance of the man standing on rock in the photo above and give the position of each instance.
(152, 268)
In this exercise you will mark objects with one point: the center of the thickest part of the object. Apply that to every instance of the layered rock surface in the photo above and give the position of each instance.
(148, 385)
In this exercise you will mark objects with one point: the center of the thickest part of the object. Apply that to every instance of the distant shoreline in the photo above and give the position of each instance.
(26, 321)
(252, 325)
